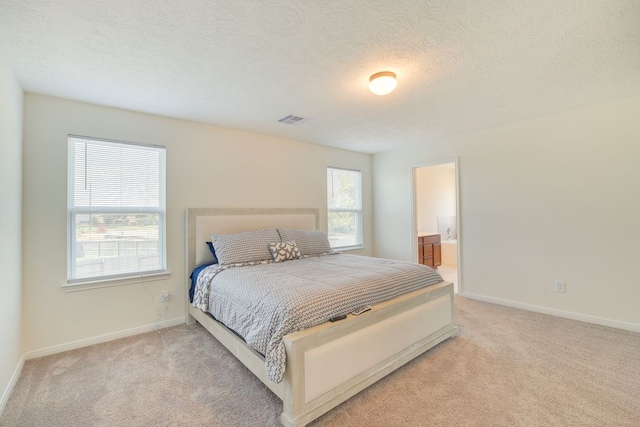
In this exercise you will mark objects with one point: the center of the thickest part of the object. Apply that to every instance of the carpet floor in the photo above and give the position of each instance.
(507, 367)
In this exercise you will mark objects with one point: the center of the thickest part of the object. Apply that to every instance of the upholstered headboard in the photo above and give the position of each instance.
(201, 222)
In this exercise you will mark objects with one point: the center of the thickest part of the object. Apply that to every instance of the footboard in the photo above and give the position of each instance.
(329, 363)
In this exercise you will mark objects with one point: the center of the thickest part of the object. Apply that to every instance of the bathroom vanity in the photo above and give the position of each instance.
(429, 249)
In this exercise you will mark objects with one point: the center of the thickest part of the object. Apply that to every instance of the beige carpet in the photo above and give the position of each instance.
(506, 368)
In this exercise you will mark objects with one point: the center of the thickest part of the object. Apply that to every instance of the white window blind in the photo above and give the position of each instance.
(344, 202)
(116, 210)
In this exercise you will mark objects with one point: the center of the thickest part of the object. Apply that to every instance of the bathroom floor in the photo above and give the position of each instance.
(450, 274)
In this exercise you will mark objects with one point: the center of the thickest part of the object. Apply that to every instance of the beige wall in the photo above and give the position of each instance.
(435, 196)
(10, 229)
(556, 198)
(549, 199)
(207, 166)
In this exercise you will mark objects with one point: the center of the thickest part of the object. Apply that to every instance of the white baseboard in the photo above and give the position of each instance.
(102, 338)
(12, 384)
(555, 312)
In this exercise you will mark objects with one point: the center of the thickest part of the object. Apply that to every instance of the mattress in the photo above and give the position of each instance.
(264, 301)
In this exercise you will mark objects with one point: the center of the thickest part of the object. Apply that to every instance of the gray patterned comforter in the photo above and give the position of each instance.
(265, 301)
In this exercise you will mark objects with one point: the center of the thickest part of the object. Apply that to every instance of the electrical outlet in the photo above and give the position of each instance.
(164, 296)
(561, 286)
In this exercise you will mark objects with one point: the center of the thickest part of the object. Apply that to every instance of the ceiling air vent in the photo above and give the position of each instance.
(292, 120)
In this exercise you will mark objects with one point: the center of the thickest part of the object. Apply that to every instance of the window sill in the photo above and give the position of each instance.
(349, 248)
(119, 281)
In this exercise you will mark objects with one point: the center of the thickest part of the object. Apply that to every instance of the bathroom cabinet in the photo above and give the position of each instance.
(429, 249)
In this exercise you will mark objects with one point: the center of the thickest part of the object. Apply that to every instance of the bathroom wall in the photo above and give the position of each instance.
(435, 195)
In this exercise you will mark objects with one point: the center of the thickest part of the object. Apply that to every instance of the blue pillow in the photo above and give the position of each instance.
(213, 252)
(194, 279)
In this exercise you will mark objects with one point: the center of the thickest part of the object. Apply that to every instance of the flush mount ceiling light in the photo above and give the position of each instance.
(383, 82)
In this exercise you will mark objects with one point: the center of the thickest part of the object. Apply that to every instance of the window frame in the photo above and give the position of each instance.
(73, 282)
(357, 210)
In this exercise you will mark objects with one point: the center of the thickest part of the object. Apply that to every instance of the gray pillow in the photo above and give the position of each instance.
(310, 242)
(244, 247)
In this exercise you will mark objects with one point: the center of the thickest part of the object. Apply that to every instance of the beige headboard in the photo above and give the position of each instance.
(201, 222)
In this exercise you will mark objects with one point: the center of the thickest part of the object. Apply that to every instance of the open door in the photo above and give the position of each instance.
(436, 218)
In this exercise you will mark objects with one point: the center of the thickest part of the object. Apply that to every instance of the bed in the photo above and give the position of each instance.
(328, 363)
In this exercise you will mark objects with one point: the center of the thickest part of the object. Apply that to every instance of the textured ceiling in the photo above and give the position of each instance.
(462, 65)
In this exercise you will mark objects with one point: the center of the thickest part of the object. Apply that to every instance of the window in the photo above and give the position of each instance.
(344, 203)
(116, 210)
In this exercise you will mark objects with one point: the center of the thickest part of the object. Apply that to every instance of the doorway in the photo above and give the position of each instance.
(436, 213)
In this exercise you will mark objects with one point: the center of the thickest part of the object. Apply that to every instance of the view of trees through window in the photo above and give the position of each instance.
(344, 217)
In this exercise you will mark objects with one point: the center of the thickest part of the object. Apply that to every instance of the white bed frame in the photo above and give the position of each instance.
(331, 362)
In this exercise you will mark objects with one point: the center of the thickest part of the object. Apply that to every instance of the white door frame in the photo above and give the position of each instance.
(414, 220)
